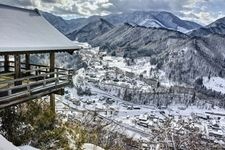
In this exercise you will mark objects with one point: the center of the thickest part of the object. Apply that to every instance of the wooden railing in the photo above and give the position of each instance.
(28, 84)
(33, 83)
(35, 68)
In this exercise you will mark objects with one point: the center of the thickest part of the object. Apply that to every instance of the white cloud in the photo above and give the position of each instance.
(203, 11)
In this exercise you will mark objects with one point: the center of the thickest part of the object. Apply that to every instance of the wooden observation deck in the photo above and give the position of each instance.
(24, 32)
(34, 83)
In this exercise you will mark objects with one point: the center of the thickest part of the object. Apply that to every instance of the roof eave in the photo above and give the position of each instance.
(4, 52)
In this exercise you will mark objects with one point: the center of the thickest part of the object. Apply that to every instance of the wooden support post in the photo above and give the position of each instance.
(17, 68)
(52, 62)
(27, 63)
(52, 102)
(6, 63)
(52, 67)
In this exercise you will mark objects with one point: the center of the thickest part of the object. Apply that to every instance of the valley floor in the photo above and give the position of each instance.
(101, 89)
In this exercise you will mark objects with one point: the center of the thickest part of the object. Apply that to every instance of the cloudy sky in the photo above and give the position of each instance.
(201, 11)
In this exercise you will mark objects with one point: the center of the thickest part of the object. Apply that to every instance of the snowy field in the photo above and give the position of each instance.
(215, 83)
(125, 119)
(6, 145)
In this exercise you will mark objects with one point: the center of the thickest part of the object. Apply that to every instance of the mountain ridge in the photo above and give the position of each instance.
(91, 31)
(165, 19)
(217, 27)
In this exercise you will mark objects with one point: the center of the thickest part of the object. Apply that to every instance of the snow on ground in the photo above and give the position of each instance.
(141, 65)
(124, 118)
(6, 145)
(215, 83)
(164, 81)
(27, 147)
(83, 45)
(89, 146)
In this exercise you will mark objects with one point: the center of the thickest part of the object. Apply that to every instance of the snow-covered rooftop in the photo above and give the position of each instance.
(26, 30)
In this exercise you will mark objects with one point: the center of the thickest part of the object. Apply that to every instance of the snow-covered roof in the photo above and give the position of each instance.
(23, 30)
(143, 117)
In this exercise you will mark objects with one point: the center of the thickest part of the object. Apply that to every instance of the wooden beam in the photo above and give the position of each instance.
(52, 68)
(27, 98)
(17, 69)
(27, 63)
(38, 51)
(6, 63)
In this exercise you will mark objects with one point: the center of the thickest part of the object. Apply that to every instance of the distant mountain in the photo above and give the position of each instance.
(153, 19)
(137, 41)
(143, 18)
(183, 57)
(179, 55)
(58, 22)
(140, 18)
(91, 30)
(64, 26)
(217, 27)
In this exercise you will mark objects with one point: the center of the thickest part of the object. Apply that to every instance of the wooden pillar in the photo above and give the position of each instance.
(52, 62)
(52, 102)
(6, 63)
(27, 61)
(52, 67)
(17, 68)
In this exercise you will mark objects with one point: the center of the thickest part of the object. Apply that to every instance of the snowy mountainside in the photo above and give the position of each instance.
(58, 22)
(151, 23)
(136, 41)
(146, 18)
(217, 27)
(91, 31)
(164, 19)
(178, 54)
(65, 26)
